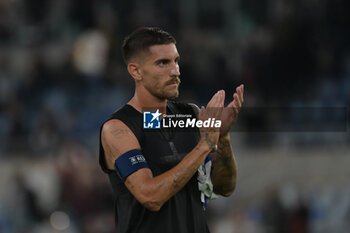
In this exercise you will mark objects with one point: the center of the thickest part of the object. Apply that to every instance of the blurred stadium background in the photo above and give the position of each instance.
(61, 75)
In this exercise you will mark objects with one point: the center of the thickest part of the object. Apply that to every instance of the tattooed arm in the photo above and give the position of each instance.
(152, 192)
(224, 170)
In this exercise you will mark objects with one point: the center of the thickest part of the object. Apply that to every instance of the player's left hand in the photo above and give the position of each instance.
(230, 112)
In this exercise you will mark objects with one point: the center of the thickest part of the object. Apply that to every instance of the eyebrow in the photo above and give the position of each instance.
(166, 60)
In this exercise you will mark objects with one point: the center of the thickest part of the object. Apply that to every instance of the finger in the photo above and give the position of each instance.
(213, 99)
(236, 104)
(218, 105)
(235, 107)
(222, 98)
(221, 103)
(208, 109)
(219, 100)
(240, 93)
(215, 104)
(202, 113)
(210, 106)
(236, 98)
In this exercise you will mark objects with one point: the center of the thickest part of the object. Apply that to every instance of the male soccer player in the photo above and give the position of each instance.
(161, 178)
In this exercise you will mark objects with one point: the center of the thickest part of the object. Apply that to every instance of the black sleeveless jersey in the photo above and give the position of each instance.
(163, 149)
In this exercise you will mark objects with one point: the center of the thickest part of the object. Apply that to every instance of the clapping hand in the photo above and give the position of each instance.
(230, 112)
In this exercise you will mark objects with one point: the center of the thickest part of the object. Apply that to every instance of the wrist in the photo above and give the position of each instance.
(205, 146)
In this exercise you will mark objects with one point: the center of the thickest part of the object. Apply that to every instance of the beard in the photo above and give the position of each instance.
(171, 97)
(164, 92)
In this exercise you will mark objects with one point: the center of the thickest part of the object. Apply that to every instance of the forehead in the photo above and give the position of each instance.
(163, 51)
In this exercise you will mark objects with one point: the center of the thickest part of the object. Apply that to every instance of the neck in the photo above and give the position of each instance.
(144, 100)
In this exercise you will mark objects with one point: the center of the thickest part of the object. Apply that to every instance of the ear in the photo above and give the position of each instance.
(134, 71)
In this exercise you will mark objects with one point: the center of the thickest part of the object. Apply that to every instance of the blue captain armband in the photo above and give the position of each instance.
(130, 162)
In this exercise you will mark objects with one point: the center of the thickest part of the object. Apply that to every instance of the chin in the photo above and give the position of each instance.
(167, 95)
(173, 96)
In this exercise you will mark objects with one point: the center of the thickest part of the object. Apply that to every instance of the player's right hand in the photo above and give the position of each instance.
(213, 110)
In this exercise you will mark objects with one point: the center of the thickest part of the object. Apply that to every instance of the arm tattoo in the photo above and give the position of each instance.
(118, 133)
(224, 169)
(208, 140)
(177, 186)
(109, 148)
(224, 155)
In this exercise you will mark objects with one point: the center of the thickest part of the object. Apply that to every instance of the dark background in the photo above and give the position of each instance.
(62, 74)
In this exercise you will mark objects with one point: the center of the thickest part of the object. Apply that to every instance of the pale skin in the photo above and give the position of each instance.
(156, 74)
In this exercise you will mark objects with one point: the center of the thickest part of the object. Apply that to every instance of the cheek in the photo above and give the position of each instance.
(154, 83)
(155, 79)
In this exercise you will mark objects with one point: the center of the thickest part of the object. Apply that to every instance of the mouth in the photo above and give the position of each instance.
(174, 83)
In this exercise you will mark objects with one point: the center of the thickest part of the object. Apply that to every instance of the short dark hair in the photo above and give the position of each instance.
(142, 38)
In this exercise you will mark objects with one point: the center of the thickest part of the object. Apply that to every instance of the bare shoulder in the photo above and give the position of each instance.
(116, 128)
(117, 138)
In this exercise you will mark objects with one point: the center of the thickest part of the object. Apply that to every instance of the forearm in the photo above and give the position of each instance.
(155, 191)
(224, 169)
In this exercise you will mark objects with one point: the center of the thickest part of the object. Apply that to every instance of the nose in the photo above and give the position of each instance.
(175, 70)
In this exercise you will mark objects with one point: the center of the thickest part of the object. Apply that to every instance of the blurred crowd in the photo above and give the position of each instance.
(284, 209)
(62, 74)
(61, 71)
(69, 194)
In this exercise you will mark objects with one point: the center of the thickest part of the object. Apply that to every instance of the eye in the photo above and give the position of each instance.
(162, 62)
